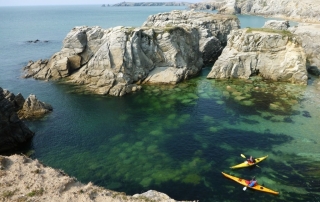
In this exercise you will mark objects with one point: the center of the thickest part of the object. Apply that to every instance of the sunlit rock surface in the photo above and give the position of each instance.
(310, 35)
(115, 61)
(302, 10)
(272, 54)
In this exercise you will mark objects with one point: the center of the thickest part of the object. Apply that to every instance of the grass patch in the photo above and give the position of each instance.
(8, 194)
(268, 30)
(37, 192)
(37, 171)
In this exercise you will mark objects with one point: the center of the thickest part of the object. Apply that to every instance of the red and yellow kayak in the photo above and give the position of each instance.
(246, 182)
(246, 164)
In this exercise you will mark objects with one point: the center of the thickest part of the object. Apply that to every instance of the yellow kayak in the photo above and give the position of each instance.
(246, 182)
(246, 164)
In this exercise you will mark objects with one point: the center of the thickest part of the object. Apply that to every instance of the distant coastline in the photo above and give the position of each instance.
(152, 4)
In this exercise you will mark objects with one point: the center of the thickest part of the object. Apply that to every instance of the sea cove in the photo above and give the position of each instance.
(173, 139)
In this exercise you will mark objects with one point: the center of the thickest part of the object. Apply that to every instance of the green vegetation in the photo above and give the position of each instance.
(37, 171)
(37, 192)
(268, 30)
(8, 194)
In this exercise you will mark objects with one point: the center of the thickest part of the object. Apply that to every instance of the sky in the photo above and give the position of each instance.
(78, 2)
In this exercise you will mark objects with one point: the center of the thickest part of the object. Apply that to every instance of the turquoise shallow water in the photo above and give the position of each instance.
(174, 139)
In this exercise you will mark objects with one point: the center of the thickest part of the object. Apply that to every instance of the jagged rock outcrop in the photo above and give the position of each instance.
(277, 24)
(13, 131)
(208, 5)
(302, 10)
(116, 60)
(152, 4)
(24, 179)
(213, 29)
(33, 108)
(310, 35)
(275, 55)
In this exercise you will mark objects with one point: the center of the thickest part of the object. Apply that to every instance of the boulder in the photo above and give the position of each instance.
(272, 54)
(32, 108)
(277, 24)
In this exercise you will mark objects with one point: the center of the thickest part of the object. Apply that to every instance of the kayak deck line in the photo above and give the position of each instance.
(246, 182)
(246, 164)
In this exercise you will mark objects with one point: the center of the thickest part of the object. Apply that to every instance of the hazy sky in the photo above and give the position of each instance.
(77, 2)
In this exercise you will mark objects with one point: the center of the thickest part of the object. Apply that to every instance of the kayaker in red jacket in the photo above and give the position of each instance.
(252, 182)
(251, 160)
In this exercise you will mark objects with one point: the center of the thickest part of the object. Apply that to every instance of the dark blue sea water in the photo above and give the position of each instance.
(173, 139)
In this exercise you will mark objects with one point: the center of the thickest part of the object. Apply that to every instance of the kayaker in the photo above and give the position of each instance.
(252, 182)
(251, 160)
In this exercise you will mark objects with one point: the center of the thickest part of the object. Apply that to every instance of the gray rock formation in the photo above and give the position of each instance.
(213, 29)
(13, 131)
(116, 60)
(152, 4)
(310, 35)
(208, 5)
(32, 108)
(277, 25)
(302, 10)
(275, 55)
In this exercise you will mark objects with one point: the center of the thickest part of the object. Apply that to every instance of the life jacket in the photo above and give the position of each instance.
(252, 183)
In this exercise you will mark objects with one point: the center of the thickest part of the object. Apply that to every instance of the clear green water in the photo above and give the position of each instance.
(173, 139)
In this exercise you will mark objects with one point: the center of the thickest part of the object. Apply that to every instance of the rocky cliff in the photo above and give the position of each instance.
(24, 179)
(152, 4)
(116, 60)
(310, 37)
(301, 10)
(14, 108)
(272, 54)
(13, 131)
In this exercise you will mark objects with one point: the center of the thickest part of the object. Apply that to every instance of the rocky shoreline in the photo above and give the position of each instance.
(14, 109)
(152, 4)
(297, 10)
(168, 48)
(24, 179)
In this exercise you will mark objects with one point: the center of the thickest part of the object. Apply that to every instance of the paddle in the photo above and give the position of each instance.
(243, 156)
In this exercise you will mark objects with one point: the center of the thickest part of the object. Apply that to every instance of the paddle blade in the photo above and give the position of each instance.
(243, 156)
(244, 188)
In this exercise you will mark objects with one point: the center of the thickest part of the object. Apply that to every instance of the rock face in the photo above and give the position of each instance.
(13, 131)
(310, 35)
(152, 4)
(302, 10)
(212, 29)
(116, 60)
(277, 25)
(33, 108)
(275, 55)
(24, 179)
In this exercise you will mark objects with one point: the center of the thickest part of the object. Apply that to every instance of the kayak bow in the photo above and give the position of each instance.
(246, 182)
(246, 164)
